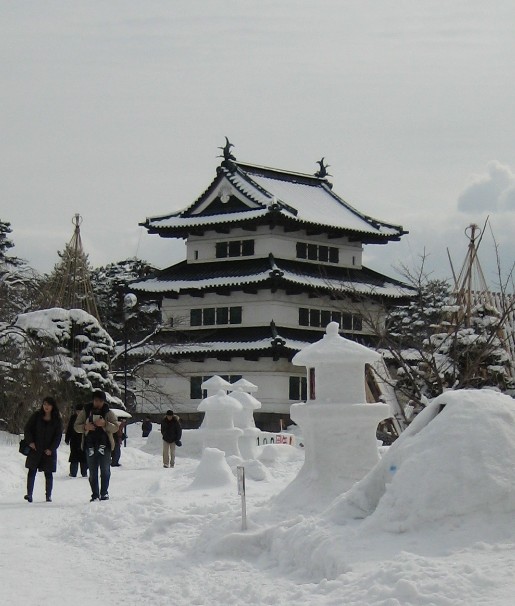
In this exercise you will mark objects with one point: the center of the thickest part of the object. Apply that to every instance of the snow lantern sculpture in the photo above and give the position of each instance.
(214, 384)
(338, 426)
(217, 428)
(244, 419)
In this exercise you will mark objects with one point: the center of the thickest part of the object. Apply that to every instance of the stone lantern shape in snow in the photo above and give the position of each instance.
(214, 384)
(217, 428)
(244, 419)
(244, 385)
(338, 426)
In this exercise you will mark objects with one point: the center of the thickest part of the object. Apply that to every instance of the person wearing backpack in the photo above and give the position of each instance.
(98, 424)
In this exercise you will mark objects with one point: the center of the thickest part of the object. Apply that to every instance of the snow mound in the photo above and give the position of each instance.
(456, 458)
(272, 454)
(255, 470)
(213, 470)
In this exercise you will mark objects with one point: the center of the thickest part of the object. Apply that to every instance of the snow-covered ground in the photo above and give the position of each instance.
(431, 525)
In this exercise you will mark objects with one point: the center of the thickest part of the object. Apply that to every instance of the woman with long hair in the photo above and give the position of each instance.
(43, 432)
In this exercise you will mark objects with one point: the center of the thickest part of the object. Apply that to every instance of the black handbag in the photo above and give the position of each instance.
(24, 447)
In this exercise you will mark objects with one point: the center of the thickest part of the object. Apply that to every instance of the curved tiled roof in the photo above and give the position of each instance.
(274, 194)
(239, 340)
(185, 277)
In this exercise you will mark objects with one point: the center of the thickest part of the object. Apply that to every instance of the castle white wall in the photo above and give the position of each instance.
(200, 249)
(260, 308)
(271, 378)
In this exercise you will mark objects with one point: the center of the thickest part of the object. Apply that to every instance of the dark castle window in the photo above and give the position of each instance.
(303, 316)
(247, 248)
(214, 316)
(221, 250)
(316, 252)
(195, 317)
(234, 315)
(234, 248)
(209, 316)
(222, 315)
(298, 389)
(320, 318)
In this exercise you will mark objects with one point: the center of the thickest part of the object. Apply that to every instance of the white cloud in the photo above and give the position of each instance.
(507, 199)
(492, 191)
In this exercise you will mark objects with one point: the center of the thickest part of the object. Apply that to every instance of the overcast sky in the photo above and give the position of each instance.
(116, 110)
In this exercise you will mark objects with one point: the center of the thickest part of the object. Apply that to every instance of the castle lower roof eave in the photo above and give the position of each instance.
(212, 349)
(264, 280)
(262, 341)
(182, 227)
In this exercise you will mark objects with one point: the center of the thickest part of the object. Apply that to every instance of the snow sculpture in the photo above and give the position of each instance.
(214, 384)
(244, 419)
(339, 428)
(217, 428)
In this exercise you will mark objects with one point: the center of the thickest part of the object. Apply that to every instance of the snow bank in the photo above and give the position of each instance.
(455, 459)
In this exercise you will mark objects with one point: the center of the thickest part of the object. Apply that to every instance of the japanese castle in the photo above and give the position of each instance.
(272, 257)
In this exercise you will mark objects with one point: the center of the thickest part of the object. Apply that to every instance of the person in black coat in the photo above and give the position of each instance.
(74, 439)
(146, 427)
(119, 438)
(43, 433)
(171, 431)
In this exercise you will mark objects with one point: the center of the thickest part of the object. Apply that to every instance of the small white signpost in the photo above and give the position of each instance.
(240, 473)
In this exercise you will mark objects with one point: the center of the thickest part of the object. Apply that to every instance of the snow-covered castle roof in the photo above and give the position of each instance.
(184, 277)
(245, 193)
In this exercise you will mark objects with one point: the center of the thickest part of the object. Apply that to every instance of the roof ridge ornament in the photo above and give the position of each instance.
(226, 153)
(322, 171)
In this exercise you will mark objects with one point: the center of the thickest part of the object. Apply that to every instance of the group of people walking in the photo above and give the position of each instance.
(94, 435)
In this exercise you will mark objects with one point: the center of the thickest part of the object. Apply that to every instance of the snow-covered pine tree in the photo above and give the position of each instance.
(415, 358)
(68, 285)
(477, 356)
(56, 351)
(19, 284)
(411, 324)
(110, 284)
(6, 244)
(434, 347)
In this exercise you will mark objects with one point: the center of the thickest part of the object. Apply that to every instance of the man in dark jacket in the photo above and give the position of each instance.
(146, 427)
(98, 424)
(77, 455)
(171, 431)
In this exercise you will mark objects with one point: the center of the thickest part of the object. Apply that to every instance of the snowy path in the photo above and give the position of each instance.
(159, 542)
(137, 548)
